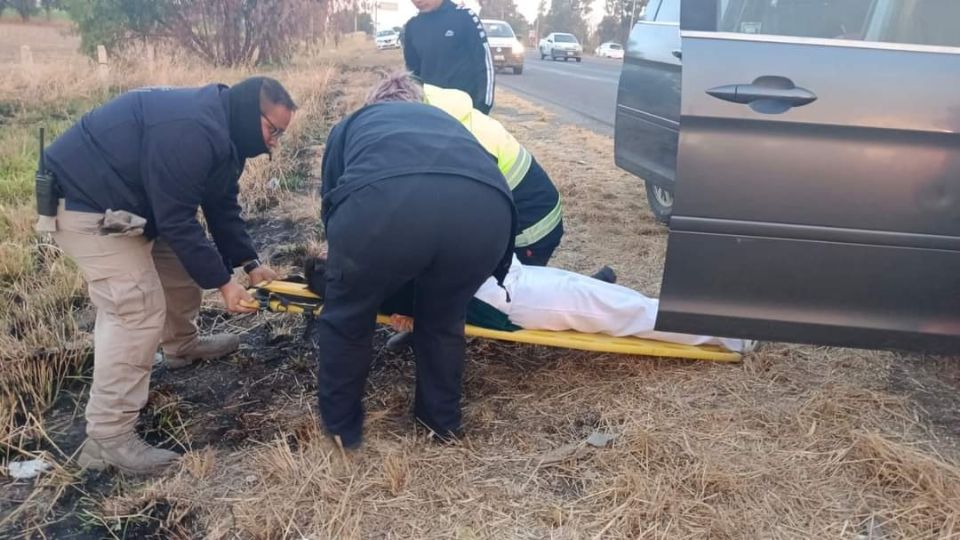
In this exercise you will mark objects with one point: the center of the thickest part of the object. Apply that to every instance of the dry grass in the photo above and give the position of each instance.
(41, 345)
(797, 442)
(48, 42)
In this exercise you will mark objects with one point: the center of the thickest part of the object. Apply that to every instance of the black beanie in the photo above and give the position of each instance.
(245, 130)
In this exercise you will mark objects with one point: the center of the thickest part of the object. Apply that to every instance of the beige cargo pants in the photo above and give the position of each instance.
(143, 297)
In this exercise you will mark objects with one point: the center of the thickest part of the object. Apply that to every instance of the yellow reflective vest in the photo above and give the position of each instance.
(512, 158)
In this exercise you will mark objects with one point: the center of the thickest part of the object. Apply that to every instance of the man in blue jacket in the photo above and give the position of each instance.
(446, 46)
(132, 175)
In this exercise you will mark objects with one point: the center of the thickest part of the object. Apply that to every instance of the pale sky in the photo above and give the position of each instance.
(526, 7)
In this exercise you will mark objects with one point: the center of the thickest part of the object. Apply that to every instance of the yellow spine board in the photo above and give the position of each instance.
(601, 343)
(297, 299)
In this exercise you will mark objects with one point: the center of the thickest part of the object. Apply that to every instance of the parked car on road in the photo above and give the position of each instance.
(559, 45)
(817, 167)
(610, 50)
(387, 39)
(506, 49)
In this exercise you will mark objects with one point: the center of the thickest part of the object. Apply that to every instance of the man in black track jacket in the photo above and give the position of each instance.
(446, 46)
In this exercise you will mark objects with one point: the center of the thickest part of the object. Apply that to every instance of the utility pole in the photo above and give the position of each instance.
(356, 15)
(633, 15)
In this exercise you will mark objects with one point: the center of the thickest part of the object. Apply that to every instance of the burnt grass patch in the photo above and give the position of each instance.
(220, 404)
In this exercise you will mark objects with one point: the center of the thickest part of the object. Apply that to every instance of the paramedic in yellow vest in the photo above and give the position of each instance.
(536, 198)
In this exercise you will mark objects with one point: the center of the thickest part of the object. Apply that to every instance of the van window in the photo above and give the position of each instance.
(650, 11)
(920, 22)
(669, 11)
(832, 19)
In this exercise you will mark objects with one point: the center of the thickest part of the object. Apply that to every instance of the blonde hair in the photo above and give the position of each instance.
(397, 86)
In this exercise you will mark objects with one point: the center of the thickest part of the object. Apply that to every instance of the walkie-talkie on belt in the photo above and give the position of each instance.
(46, 183)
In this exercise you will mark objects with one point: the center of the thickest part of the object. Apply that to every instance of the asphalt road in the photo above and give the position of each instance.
(586, 91)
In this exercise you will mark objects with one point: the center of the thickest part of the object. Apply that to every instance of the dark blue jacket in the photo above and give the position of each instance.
(392, 140)
(162, 154)
(448, 48)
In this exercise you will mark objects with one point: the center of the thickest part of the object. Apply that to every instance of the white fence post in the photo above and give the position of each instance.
(151, 57)
(26, 56)
(103, 69)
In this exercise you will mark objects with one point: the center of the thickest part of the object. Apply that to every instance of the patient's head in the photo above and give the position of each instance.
(399, 86)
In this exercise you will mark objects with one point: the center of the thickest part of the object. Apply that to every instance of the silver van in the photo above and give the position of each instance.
(817, 176)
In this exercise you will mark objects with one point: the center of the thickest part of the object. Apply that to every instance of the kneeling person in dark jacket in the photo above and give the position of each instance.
(539, 207)
(132, 174)
(408, 195)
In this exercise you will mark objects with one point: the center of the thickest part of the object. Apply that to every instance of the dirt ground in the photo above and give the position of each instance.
(795, 442)
(610, 223)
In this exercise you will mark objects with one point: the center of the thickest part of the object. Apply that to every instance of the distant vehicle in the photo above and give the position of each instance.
(506, 49)
(610, 50)
(387, 39)
(818, 145)
(559, 45)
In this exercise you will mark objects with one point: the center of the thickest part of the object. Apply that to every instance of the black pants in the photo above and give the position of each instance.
(444, 233)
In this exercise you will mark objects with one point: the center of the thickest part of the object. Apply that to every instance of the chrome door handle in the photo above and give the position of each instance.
(770, 95)
(748, 93)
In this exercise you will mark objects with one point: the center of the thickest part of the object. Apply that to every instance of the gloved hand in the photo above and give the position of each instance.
(315, 271)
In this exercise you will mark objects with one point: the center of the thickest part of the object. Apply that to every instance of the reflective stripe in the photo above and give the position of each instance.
(542, 228)
(515, 172)
(487, 57)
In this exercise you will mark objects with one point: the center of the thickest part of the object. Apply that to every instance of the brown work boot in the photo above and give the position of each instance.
(127, 452)
(204, 348)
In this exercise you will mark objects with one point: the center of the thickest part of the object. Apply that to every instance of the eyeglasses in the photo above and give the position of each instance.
(275, 132)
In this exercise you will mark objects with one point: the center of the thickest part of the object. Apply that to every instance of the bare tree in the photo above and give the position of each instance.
(24, 8)
(242, 32)
(222, 32)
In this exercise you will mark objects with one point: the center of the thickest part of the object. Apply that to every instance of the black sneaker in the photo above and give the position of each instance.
(441, 437)
(399, 342)
(606, 274)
